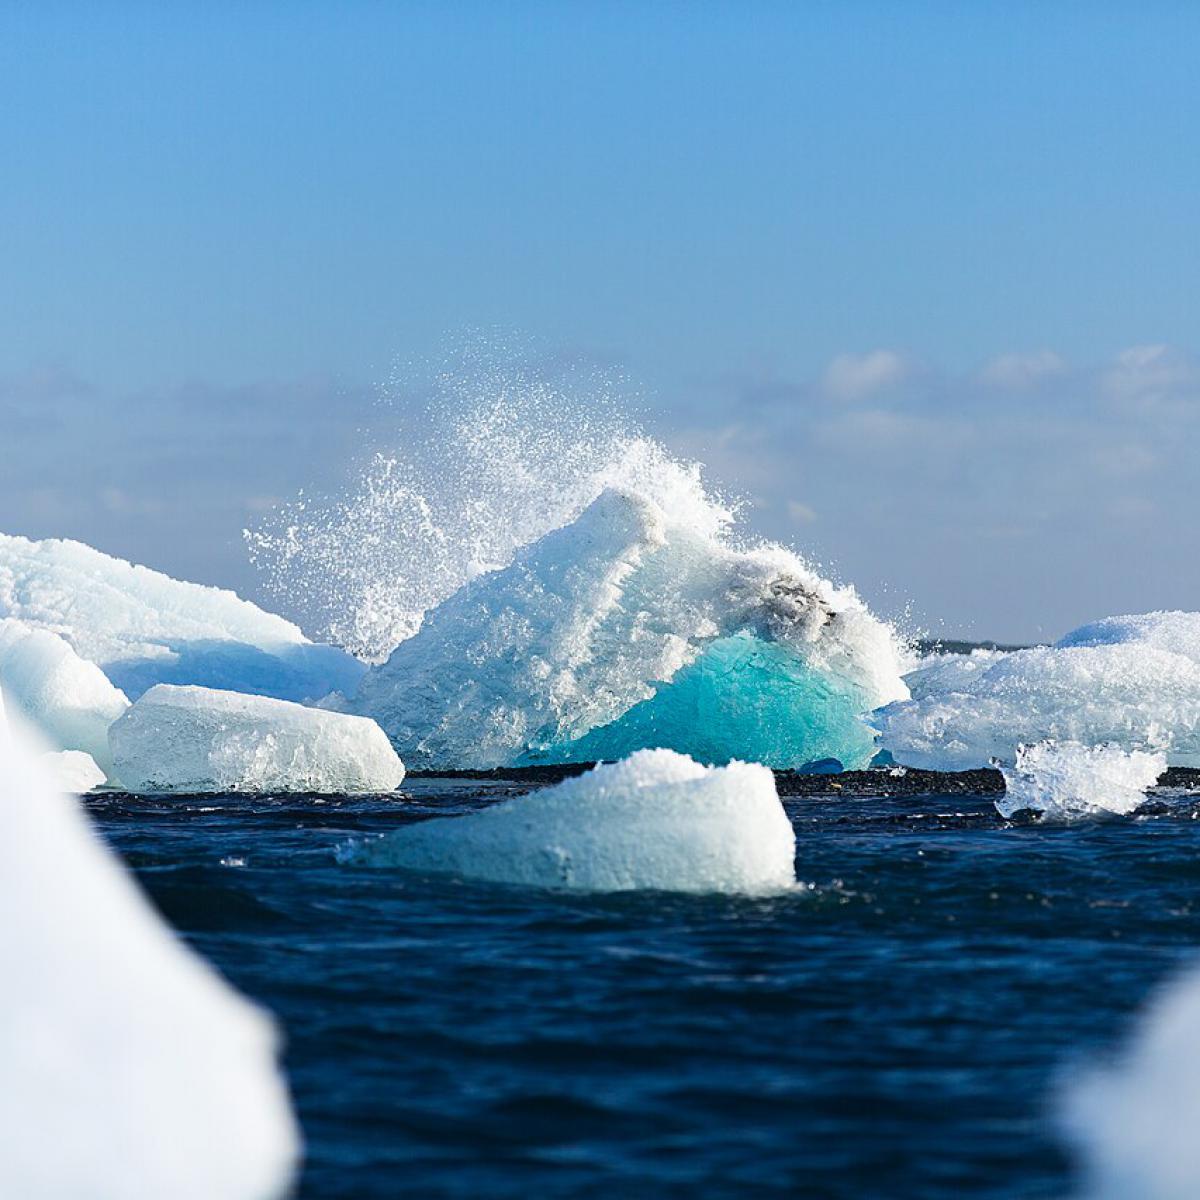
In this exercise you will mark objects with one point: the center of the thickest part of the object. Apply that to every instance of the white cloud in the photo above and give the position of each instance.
(1155, 377)
(853, 376)
(1020, 371)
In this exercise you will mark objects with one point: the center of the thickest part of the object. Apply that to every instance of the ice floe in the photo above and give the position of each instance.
(131, 1070)
(1066, 779)
(636, 626)
(656, 820)
(1134, 1122)
(69, 700)
(143, 627)
(1132, 681)
(193, 739)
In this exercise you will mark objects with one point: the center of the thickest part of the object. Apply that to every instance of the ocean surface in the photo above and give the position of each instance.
(898, 1028)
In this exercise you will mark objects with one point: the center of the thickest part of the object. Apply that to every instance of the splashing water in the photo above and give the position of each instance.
(502, 452)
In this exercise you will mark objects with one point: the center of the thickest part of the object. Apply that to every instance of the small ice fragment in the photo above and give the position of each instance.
(655, 820)
(73, 771)
(192, 739)
(1067, 779)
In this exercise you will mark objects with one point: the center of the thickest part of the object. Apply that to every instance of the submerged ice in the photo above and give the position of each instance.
(131, 1070)
(1065, 779)
(657, 820)
(1132, 681)
(142, 627)
(193, 739)
(631, 627)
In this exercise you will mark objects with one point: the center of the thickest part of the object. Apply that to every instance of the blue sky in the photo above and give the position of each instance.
(919, 279)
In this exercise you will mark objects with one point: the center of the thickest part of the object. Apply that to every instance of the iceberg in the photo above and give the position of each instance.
(1134, 1122)
(1132, 681)
(73, 771)
(1065, 779)
(68, 700)
(636, 626)
(142, 627)
(656, 820)
(193, 739)
(131, 1070)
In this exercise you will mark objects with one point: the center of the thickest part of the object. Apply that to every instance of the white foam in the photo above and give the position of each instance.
(142, 627)
(656, 820)
(1134, 1123)
(192, 739)
(598, 616)
(70, 701)
(1066, 779)
(1132, 681)
(131, 1071)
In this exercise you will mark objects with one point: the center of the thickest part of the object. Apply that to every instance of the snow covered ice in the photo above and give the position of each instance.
(656, 820)
(142, 627)
(1132, 681)
(69, 700)
(131, 1070)
(638, 626)
(192, 739)
(1134, 1122)
(1065, 779)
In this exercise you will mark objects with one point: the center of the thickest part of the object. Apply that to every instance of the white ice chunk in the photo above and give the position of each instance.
(73, 771)
(1066, 779)
(655, 820)
(130, 1070)
(193, 739)
(69, 701)
(936, 674)
(1132, 681)
(143, 627)
(1134, 1123)
(642, 628)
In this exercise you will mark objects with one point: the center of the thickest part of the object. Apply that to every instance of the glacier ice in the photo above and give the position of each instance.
(1134, 1121)
(72, 771)
(194, 739)
(131, 1070)
(1133, 681)
(1066, 779)
(656, 820)
(638, 626)
(69, 700)
(142, 627)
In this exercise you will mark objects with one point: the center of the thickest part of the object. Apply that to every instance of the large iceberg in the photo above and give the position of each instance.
(636, 626)
(131, 1071)
(656, 820)
(193, 739)
(69, 700)
(142, 627)
(1134, 1122)
(1133, 681)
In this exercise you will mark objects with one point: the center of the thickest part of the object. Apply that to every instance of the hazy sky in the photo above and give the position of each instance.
(921, 280)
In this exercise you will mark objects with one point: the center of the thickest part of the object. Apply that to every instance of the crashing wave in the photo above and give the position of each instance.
(1064, 779)
(130, 1069)
(142, 627)
(1131, 681)
(657, 820)
(638, 626)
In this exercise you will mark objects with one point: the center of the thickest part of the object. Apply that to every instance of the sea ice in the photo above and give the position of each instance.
(143, 627)
(193, 739)
(655, 820)
(131, 1070)
(636, 626)
(1066, 779)
(1132, 681)
(69, 700)
(1134, 1123)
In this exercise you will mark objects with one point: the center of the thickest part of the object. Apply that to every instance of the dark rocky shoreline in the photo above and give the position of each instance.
(877, 781)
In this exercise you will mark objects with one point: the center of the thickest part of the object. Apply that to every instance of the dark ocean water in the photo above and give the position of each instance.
(897, 1030)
